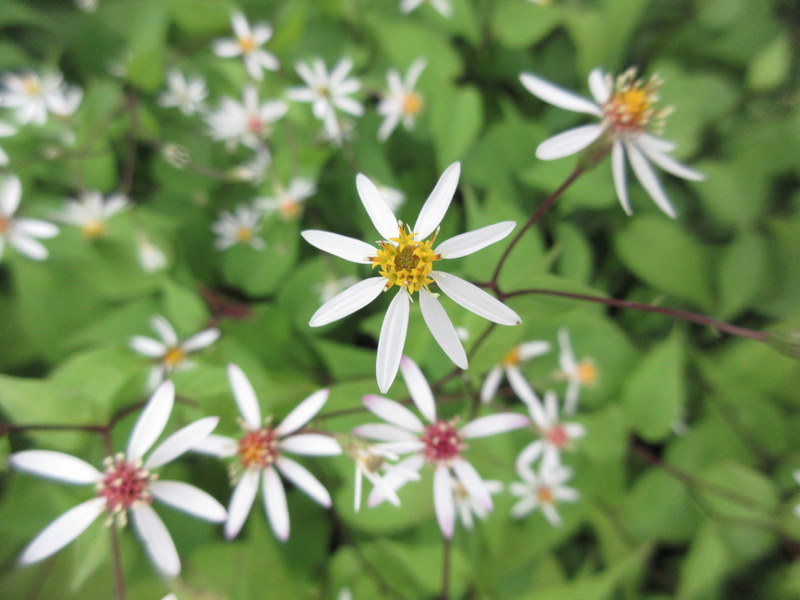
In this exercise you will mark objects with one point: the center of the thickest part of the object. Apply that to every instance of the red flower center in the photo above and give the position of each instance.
(259, 448)
(123, 484)
(558, 436)
(442, 441)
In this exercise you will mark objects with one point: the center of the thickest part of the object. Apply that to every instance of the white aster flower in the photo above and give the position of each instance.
(440, 444)
(151, 258)
(407, 263)
(238, 227)
(468, 506)
(288, 201)
(20, 232)
(248, 44)
(629, 124)
(33, 96)
(544, 491)
(327, 92)
(6, 130)
(248, 123)
(262, 456)
(401, 102)
(443, 7)
(91, 212)
(169, 353)
(127, 486)
(186, 94)
(577, 373)
(370, 460)
(556, 436)
(510, 364)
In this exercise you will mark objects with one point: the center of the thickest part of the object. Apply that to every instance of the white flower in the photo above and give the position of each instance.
(186, 94)
(288, 201)
(510, 364)
(370, 460)
(628, 123)
(555, 435)
(151, 258)
(253, 171)
(33, 96)
(407, 262)
(401, 102)
(127, 486)
(238, 227)
(262, 456)
(576, 373)
(91, 211)
(248, 123)
(248, 44)
(5, 131)
(169, 353)
(468, 506)
(440, 444)
(544, 491)
(443, 7)
(20, 232)
(327, 92)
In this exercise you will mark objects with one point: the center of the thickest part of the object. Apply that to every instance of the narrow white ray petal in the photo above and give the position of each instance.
(598, 86)
(275, 503)
(28, 246)
(491, 383)
(55, 465)
(383, 432)
(245, 397)
(566, 358)
(438, 201)
(558, 96)
(393, 412)
(565, 494)
(156, 540)
(303, 413)
(201, 340)
(311, 444)
(475, 299)
(180, 442)
(241, 502)
(649, 180)
(62, 531)
(152, 421)
(216, 445)
(164, 330)
(419, 389)
(391, 341)
(568, 142)
(379, 212)
(347, 302)
(535, 408)
(524, 507)
(414, 71)
(472, 241)
(493, 424)
(521, 387)
(656, 143)
(342, 246)
(443, 501)
(571, 397)
(403, 472)
(574, 430)
(551, 407)
(359, 479)
(10, 195)
(442, 328)
(349, 105)
(470, 479)
(527, 457)
(669, 164)
(35, 228)
(403, 447)
(189, 499)
(551, 513)
(620, 178)
(240, 25)
(303, 479)
(530, 350)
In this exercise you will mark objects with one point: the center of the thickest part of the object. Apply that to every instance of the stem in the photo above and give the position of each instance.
(446, 571)
(119, 578)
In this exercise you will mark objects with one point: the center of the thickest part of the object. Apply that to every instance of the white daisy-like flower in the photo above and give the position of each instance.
(262, 456)
(556, 436)
(543, 490)
(6, 130)
(151, 258)
(238, 227)
(248, 44)
(407, 263)
(468, 507)
(169, 353)
(33, 96)
(127, 486)
(248, 123)
(21, 232)
(401, 102)
(629, 123)
(440, 444)
(577, 373)
(288, 201)
(510, 365)
(186, 94)
(328, 91)
(91, 212)
(370, 460)
(443, 7)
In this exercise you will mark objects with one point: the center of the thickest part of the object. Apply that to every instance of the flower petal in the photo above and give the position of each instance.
(303, 479)
(401, 473)
(383, 432)
(438, 201)
(201, 340)
(156, 540)
(152, 421)
(472, 241)
(164, 330)
(241, 502)
(311, 444)
(530, 350)
(302, 413)
(275, 503)
(475, 299)
(341, 245)
(647, 177)
(189, 499)
(10, 195)
(493, 424)
(443, 501)
(55, 465)
(442, 328)
(379, 212)
(491, 383)
(419, 389)
(245, 397)
(470, 479)
(180, 442)
(558, 96)
(520, 386)
(147, 346)
(568, 142)
(392, 339)
(669, 164)
(620, 178)
(393, 412)
(598, 85)
(62, 531)
(216, 445)
(347, 302)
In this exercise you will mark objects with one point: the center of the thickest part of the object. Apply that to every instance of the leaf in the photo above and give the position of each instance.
(742, 274)
(456, 117)
(770, 67)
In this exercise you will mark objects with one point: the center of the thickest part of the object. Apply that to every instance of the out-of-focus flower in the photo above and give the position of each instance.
(176, 155)
(5, 131)
(401, 102)
(127, 486)
(370, 460)
(253, 171)
(543, 490)
(91, 212)
(407, 264)
(510, 364)
(629, 124)
(440, 444)
(248, 123)
(186, 94)
(151, 258)
(33, 96)
(556, 436)
(20, 232)
(468, 506)
(288, 201)
(248, 44)
(328, 91)
(262, 456)
(238, 227)
(443, 7)
(576, 373)
(169, 353)
(394, 198)
(89, 6)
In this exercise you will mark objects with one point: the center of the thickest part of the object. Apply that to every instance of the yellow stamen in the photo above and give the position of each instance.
(174, 356)
(631, 105)
(5, 225)
(289, 209)
(512, 358)
(247, 44)
(412, 104)
(244, 234)
(587, 372)
(545, 495)
(93, 229)
(31, 85)
(407, 263)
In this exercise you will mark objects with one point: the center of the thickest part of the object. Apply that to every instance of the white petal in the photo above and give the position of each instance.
(442, 328)
(551, 407)
(302, 413)
(28, 246)
(491, 383)
(180, 442)
(419, 389)
(393, 412)
(530, 350)
(240, 25)
(438, 201)
(469, 477)
(55, 465)
(475, 299)
(656, 143)
(200, 340)
(189, 499)
(156, 540)
(152, 421)
(493, 424)
(164, 330)
(147, 346)
(566, 358)
(340, 245)
(355, 297)
(403, 472)
(242, 500)
(275, 504)
(10, 195)
(303, 479)
(383, 432)
(379, 212)
(527, 457)
(35, 228)
(472, 241)
(443, 500)
(571, 397)
(558, 96)
(535, 408)
(226, 48)
(245, 397)
(568, 142)
(521, 387)
(669, 164)
(216, 445)
(620, 179)
(311, 444)
(647, 177)
(598, 85)
(391, 340)
(62, 531)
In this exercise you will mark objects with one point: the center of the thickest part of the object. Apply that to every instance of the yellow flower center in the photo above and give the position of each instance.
(512, 358)
(587, 372)
(5, 225)
(258, 448)
(412, 104)
(631, 105)
(174, 357)
(247, 44)
(289, 209)
(31, 85)
(93, 229)
(406, 263)
(244, 234)
(545, 495)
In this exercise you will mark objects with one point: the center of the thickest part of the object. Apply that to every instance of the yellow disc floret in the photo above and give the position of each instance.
(406, 262)
(631, 105)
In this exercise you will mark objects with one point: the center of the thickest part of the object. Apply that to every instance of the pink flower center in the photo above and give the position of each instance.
(259, 448)
(123, 484)
(442, 441)
(558, 436)
(255, 125)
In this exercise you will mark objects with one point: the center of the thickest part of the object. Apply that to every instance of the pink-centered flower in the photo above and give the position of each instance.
(127, 486)
(248, 44)
(555, 435)
(440, 443)
(406, 258)
(510, 365)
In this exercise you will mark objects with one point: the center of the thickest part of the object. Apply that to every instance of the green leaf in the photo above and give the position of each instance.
(456, 117)
(770, 67)
(742, 274)
(520, 24)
